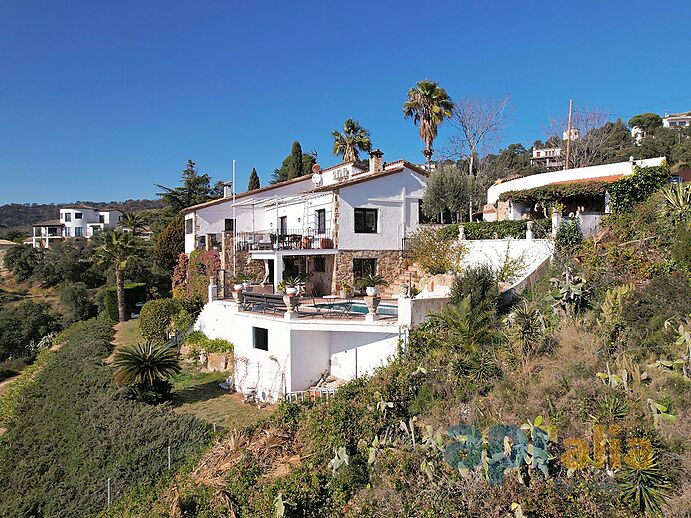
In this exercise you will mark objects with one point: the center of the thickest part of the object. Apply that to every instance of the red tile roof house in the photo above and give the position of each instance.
(589, 208)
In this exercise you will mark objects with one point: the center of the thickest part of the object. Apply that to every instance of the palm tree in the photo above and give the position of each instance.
(354, 139)
(114, 249)
(132, 221)
(428, 104)
(145, 364)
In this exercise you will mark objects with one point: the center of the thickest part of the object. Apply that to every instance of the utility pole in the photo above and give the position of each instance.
(235, 229)
(568, 136)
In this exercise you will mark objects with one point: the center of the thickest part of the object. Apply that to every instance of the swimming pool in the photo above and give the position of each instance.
(361, 308)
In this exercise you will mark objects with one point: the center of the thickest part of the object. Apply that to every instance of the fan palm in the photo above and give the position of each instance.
(354, 139)
(145, 364)
(428, 104)
(115, 248)
(132, 221)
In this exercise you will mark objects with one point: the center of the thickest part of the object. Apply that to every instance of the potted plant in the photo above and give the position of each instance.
(371, 284)
(292, 284)
(344, 289)
(306, 242)
(281, 287)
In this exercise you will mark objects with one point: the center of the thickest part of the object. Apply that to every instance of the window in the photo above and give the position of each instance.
(283, 225)
(77, 215)
(101, 218)
(78, 232)
(321, 221)
(261, 338)
(67, 231)
(320, 264)
(68, 216)
(188, 226)
(366, 221)
(364, 267)
(201, 243)
(230, 225)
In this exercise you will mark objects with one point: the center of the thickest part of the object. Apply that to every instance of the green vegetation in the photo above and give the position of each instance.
(599, 346)
(428, 105)
(23, 326)
(253, 182)
(354, 139)
(156, 318)
(72, 430)
(198, 343)
(134, 292)
(542, 228)
(434, 251)
(294, 165)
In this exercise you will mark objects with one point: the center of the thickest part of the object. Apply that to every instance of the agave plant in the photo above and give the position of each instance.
(644, 486)
(677, 202)
(145, 363)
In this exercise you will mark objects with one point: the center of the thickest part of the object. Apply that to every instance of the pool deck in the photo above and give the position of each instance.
(314, 308)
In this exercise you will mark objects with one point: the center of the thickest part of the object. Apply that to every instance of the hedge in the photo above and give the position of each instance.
(156, 318)
(638, 187)
(134, 292)
(73, 430)
(499, 229)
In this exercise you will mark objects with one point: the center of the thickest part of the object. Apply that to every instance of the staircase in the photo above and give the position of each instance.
(412, 272)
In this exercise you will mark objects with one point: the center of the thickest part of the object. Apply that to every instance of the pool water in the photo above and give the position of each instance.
(361, 308)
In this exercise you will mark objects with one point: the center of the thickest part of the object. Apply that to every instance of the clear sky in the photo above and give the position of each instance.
(100, 100)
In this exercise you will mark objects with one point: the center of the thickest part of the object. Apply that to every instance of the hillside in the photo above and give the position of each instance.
(576, 401)
(20, 216)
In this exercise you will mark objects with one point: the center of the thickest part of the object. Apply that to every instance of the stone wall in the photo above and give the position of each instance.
(390, 264)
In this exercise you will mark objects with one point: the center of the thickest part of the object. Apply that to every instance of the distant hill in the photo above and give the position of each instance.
(20, 216)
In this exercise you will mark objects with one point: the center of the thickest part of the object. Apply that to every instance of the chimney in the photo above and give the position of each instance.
(375, 161)
(228, 189)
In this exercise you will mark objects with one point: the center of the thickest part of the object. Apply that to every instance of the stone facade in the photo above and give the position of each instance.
(390, 265)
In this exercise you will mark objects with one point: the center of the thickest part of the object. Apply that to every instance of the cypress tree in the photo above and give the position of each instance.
(254, 181)
(295, 161)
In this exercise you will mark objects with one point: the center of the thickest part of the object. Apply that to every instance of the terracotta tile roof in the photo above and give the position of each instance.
(245, 194)
(49, 223)
(609, 179)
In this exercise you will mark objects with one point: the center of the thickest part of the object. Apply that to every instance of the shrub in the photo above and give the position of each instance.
(156, 318)
(134, 292)
(499, 229)
(198, 343)
(477, 282)
(23, 261)
(76, 301)
(569, 237)
(434, 252)
(638, 187)
(72, 431)
(23, 326)
(681, 249)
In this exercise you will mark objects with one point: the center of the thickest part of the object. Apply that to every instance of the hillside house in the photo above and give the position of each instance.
(78, 221)
(338, 225)
(511, 200)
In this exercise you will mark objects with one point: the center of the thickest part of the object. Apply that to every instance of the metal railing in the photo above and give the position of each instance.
(288, 239)
(310, 395)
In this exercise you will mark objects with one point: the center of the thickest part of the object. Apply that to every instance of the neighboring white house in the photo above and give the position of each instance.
(549, 158)
(75, 221)
(676, 120)
(340, 224)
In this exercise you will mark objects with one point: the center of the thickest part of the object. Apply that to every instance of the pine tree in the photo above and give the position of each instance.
(254, 181)
(294, 165)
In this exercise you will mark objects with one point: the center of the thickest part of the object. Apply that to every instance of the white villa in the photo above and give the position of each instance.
(338, 225)
(334, 227)
(75, 221)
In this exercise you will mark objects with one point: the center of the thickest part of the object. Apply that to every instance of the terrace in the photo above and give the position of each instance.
(285, 239)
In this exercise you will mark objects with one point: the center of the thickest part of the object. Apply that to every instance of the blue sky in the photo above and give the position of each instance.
(100, 100)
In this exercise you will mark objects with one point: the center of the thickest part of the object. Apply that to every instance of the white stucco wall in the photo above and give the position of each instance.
(395, 217)
(299, 351)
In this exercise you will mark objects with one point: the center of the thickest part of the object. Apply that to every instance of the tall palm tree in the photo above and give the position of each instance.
(115, 248)
(354, 139)
(428, 104)
(145, 363)
(132, 221)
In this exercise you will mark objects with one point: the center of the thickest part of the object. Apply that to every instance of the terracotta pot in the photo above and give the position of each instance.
(326, 243)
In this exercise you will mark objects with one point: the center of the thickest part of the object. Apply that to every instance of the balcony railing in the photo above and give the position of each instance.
(289, 239)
